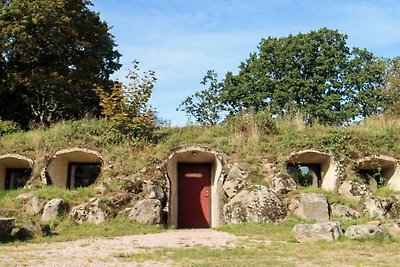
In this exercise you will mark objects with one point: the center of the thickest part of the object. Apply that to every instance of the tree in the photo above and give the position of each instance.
(52, 53)
(205, 106)
(127, 107)
(391, 89)
(314, 73)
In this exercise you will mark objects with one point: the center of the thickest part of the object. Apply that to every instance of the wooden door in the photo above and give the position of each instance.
(194, 195)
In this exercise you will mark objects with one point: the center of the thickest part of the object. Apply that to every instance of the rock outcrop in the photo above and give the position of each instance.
(95, 211)
(53, 209)
(282, 183)
(233, 187)
(236, 173)
(146, 211)
(34, 206)
(344, 212)
(329, 231)
(366, 231)
(354, 190)
(377, 207)
(255, 204)
(33, 229)
(6, 226)
(313, 206)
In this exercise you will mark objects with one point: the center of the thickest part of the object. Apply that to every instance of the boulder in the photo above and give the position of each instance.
(6, 226)
(365, 231)
(34, 206)
(282, 183)
(344, 212)
(53, 209)
(255, 204)
(32, 229)
(394, 230)
(329, 231)
(233, 187)
(95, 211)
(26, 196)
(146, 211)
(313, 206)
(377, 207)
(394, 211)
(353, 190)
(156, 192)
(236, 173)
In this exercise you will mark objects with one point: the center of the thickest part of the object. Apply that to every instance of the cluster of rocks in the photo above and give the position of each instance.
(143, 202)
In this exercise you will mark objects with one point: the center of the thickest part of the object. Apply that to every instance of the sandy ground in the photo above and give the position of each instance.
(105, 251)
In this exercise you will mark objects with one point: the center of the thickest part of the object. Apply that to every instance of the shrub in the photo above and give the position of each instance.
(126, 107)
(8, 127)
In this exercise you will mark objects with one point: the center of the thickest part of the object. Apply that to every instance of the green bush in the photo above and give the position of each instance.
(8, 127)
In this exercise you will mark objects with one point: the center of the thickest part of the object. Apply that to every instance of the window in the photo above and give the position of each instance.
(16, 178)
(82, 174)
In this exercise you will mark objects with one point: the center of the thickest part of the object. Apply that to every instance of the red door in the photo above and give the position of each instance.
(194, 194)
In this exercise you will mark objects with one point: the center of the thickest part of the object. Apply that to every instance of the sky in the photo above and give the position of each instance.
(181, 39)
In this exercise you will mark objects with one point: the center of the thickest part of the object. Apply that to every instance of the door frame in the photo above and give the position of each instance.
(195, 154)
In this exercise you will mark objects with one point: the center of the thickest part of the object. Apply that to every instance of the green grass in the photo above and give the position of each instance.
(119, 226)
(72, 197)
(323, 253)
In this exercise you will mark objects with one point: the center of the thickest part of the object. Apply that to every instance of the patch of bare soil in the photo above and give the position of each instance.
(102, 251)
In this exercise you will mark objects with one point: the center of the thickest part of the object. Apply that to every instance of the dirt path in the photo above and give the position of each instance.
(104, 251)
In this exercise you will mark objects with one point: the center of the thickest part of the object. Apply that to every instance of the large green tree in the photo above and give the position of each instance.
(315, 74)
(52, 53)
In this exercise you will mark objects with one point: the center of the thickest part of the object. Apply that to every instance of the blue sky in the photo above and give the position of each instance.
(181, 40)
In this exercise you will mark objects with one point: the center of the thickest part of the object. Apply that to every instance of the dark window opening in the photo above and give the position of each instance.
(16, 178)
(305, 174)
(82, 174)
(368, 175)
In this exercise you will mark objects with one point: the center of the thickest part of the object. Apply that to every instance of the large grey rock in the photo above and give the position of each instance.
(345, 212)
(6, 226)
(329, 231)
(354, 190)
(313, 206)
(155, 192)
(377, 207)
(34, 206)
(282, 183)
(236, 173)
(147, 211)
(32, 229)
(365, 231)
(95, 211)
(394, 230)
(255, 204)
(233, 187)
(53, 209)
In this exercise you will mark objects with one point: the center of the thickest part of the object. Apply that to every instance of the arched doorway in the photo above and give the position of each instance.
(195, 185)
